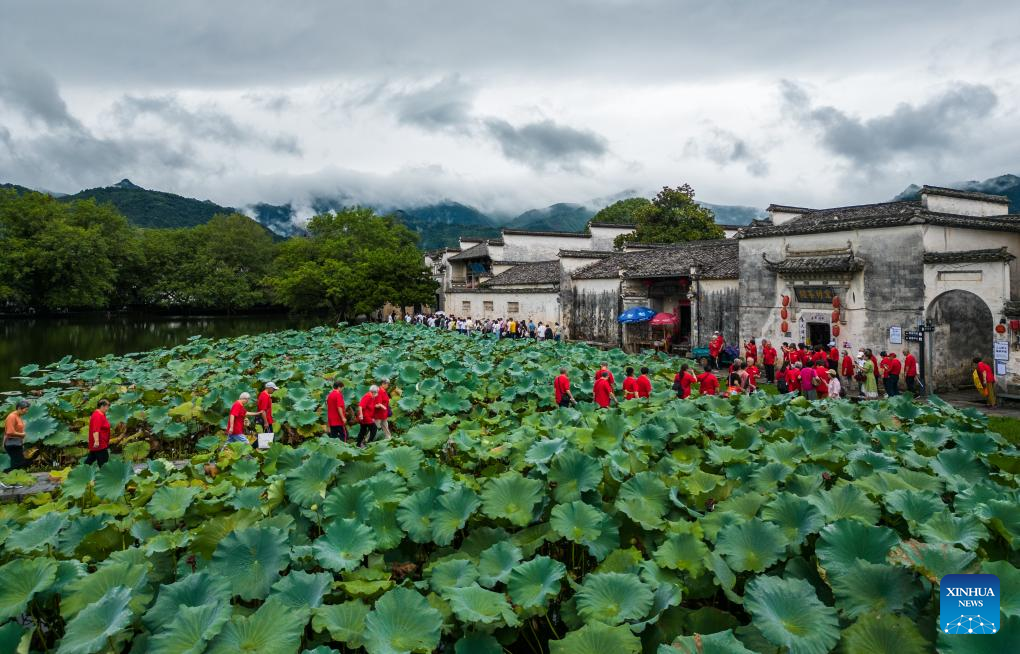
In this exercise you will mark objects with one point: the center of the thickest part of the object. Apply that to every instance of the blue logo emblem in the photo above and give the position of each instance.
(969, 604)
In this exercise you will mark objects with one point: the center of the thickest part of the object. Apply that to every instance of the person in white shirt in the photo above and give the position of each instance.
(834, 386)
(540, 332)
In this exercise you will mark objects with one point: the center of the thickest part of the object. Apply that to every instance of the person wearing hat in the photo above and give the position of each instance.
(235, 420)
(264, 407)
(14, 436)
(835, 388)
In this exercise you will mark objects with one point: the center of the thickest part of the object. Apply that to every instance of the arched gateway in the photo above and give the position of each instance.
(963, 330)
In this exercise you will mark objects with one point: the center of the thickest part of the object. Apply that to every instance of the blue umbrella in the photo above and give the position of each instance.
(636, 314)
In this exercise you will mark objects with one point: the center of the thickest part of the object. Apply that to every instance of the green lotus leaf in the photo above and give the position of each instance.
(577, 521)
(89, 589)
(477, 643)
(95, 626)
(790, 615)
(403, 460)
(452, 403)
(512, 497)
(251, 560)
(348, 502)
(608, 433)
(200, 589)
(246, 499)
(343, 545)
(574, 473)
(245, 469)
(613, 597)
(682, 551)
(345, 622)
(402, 621)
(39, 534)
(873, 587)
(846, 501)
(959, 468)
(497, 562)
(274, 628)
(643, 499)
(1007, 639)
(191, 628)
(451, 513)
(171, 502)
(597, 638)
(22, 579)
(797, 517)
(39, 425)
(752, 545)
(14, 637)
(387, 488)
(843, 543)
(933, 560)
(426, 437)
(112, 477)
(884, 634)
(78, 480)
(1009, 585)
(916, 506)
(415, 514)
(301, 589)
(723, 642)
(475, 605)
(453, 573)
(307, 484)
(534, 582)
(542, 451)
(944, 527)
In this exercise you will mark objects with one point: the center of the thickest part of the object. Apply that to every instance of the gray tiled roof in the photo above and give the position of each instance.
(877, 216)
(479, 251)
(539, 272)
(845, 263)
(969, 256)
(586, 254)
(717, 259)
(1012, 309)
(528, 232)
(967, 195)
(594, 223)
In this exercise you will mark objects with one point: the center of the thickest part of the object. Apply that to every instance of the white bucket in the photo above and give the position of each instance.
(265, 440)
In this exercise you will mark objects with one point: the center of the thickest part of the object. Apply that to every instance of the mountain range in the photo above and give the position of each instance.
(1007, 185)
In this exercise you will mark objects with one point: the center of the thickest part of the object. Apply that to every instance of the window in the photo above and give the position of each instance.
(487, 305)
(465, 306)
(513, 307)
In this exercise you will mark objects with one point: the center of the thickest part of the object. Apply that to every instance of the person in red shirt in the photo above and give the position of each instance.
(822, 380)
(708, 384)
(644, 384)
(752, 376)
(833, 356)
(99, 435)
(846, 370)
(768, 359)
(793, 378)
(604, 367)
(336, 411)
(910, 371)
(235, 421)
(883, 368)
(561, 386)
(986, 377)
(715, 348)
(629, 385)
(820, 358)
(264, 406)
(682, 382)
(366, 416)
(603, 392)
(892, 382)
(750, 350)
(382, 408)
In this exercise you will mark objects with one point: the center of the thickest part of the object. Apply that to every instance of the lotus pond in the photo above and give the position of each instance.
(494, 521)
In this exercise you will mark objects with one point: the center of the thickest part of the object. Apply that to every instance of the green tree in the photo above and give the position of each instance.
(58, 256)
(621, 212)
(672, 217)
(351, 263)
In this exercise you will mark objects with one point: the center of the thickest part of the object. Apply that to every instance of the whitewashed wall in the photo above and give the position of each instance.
(962, 206)
(520, 247)
(540, 307)
(602, 237)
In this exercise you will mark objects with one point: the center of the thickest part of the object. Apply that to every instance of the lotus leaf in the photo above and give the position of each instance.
(402, 621)
(453, 510)
(789, 614)
(190, 629)
(497, 562)
(577, 521)
(597, 638)
(884, 634)
(274, 628)
(171, 502)
(752, 545)
(873, 587)
(112, 477)
(477, 643)
(39, 534)
(96, 625)
(199, 589)
(344, 622)
(613, 597)
(300, 589)
(251, 560)
(723, 642)
(843, 543)
(574, 473)
(307, 484)
(343, 545)
(475, 605)
(22, 579)
(534, 582)
(683, 551)
(512, 497)
(643, 499)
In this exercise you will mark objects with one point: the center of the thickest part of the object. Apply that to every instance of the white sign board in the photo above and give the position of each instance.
(1000, 350)
(1000, 368)
(895, 334)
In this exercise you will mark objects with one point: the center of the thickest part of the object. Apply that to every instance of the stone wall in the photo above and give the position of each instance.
(719, 309)
(595, 307)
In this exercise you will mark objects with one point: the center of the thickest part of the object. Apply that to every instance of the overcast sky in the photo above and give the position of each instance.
(509, 105)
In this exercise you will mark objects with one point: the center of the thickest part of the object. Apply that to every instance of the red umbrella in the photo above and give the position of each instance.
(664, 320)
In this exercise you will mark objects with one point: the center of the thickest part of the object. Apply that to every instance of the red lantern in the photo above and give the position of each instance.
(786, 300)
(785, 327)
(835, 316)
(835, 301)
(784, 314)
(1000, 329)
(835, 330)
(1014, 325)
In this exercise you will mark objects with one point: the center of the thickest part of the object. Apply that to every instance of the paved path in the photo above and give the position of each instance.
(43, 484)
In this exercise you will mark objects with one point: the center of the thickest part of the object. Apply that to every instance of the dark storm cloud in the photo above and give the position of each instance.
(34, 94)
(940, 123)
(208, 123)
(446, 104)
(546, 142)
(723, 147)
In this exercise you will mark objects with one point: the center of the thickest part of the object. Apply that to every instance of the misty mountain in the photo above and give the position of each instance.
(734, 214)
(148, 208)
(1008, 185)
(559, 217)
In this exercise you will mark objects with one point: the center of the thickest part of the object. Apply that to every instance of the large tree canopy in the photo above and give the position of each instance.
(672, 217)
(620, 212)
(352, 262)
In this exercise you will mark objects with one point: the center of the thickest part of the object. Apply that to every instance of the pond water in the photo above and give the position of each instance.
(45, 340)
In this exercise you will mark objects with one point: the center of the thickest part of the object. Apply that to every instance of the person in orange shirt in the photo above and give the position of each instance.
(629, 385)
(14, 436)
(644, 384)
(99, 435)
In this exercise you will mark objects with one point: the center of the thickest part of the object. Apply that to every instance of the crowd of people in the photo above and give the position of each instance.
(497, 327)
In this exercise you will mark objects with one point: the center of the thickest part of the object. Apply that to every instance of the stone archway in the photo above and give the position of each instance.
(963, 330)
